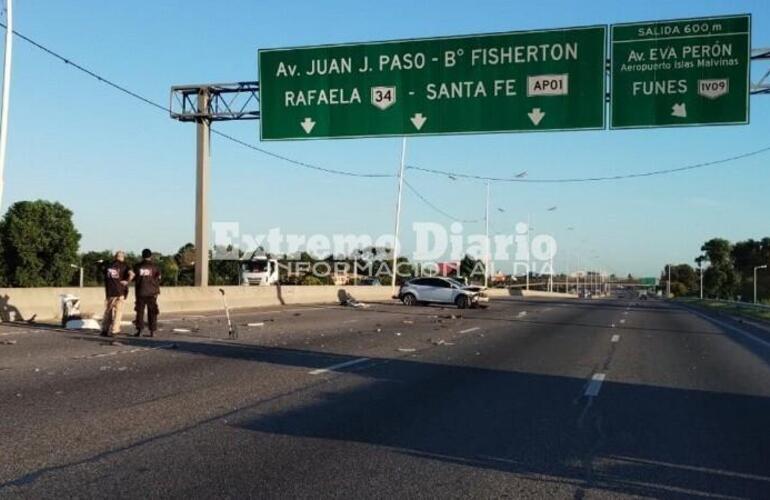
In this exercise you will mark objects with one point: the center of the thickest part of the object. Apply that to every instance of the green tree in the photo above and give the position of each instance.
(168, 269)
(185, 261)
(471, 268)
(93, 263)
(720, 280)
(224, 271)
(38, 244)
(746, 255)
(684, 279)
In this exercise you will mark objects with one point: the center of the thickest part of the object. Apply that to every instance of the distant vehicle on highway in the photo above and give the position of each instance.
(441, 291)
(259, 270)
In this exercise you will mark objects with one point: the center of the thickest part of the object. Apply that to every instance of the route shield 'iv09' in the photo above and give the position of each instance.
(518, 81)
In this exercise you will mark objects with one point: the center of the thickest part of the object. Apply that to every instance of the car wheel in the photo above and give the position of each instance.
(409, 300)
(462, 302)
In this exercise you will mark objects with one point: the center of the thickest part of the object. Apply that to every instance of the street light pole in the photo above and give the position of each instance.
(394, 271)
(529, 246)
(668, 282)
(755, 280)
(486, 241)
(6, 90)
(701, 281)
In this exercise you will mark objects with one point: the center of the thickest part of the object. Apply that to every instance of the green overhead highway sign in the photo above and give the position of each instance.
(517, 81)
(681, 72)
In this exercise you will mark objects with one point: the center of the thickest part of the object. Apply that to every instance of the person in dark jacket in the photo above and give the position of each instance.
(117, 275)
(147, 280)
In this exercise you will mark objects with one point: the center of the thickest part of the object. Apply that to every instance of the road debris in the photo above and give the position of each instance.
(440, 342)
(8, 342)
(397, 334)
(348, 300)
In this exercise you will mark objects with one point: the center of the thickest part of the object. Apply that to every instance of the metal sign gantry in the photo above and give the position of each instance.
(204, 104)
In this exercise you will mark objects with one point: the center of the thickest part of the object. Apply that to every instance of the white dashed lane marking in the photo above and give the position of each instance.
(615, 338)
(595, 385)
(469, 330)
(337, 366)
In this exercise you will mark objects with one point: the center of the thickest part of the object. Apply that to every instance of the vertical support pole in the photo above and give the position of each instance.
(394, 271)
(201, 190)
(486, 241)
(668, 283)
(529, 246)
(701, 281)
(81, 276)
(550, 276)
(6, 92)
(755, 284)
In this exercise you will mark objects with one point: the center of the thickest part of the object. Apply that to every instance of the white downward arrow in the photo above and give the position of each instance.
(679, 110)
(308, 125)
(418, 120)
(536, 116)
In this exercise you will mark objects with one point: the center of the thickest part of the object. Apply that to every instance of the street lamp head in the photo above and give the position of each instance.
(762, 266)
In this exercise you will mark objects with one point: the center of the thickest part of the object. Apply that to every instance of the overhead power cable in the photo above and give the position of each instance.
(298, 162)
(161, 107)
(695, 166)
(436, 208)
(445, 173)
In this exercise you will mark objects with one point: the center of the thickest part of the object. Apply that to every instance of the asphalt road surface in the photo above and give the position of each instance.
(526, 399)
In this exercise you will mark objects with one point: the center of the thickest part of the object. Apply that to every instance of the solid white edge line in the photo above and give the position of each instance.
(730, 327)
(469, 330)
(595, 384)
(340, 365)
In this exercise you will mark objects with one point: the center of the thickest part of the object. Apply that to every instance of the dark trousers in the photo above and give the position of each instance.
(151, 303)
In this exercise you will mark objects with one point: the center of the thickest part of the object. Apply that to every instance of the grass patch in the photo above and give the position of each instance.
(734, 309)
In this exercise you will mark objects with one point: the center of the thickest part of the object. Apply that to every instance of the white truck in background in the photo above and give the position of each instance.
(259, 270)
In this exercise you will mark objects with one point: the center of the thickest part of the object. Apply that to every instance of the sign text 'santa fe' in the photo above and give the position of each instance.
(519, 81)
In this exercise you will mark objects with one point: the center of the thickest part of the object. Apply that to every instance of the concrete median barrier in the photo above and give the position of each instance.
(43, 304)
(515, 292)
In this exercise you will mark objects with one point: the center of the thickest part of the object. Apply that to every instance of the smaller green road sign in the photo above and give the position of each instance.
(682, 72)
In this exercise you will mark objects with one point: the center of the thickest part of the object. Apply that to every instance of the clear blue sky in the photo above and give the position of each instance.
(127, 170)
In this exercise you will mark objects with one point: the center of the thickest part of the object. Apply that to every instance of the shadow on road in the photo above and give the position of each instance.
(639, 440)
(632, 439)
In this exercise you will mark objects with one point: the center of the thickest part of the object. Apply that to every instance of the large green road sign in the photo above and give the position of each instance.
(519, 81)
(682, 72)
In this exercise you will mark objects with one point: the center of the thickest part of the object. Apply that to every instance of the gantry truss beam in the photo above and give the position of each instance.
(762, 86)
(226, 101)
